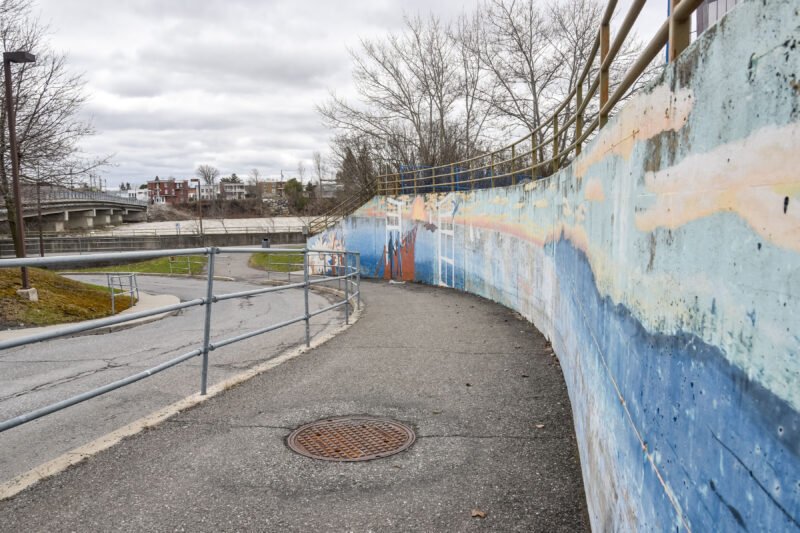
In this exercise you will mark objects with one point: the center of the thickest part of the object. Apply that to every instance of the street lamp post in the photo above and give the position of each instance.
(199, 212)
(8, 58)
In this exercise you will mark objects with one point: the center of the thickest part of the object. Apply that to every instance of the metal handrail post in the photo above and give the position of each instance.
(305, 290)
(110, 288)
(358, 280)
(513, 164)
(579, 119)
(679, 32)
(555, 142)
(346, 295)
(604, 72)
(207, 327)
(471, 175)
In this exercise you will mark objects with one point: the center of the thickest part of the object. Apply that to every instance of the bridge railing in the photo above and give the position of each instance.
(54, 194)
(318, 267)
(552, 143)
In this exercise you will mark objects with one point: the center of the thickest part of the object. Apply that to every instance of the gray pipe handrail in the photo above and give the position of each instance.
(351, 276)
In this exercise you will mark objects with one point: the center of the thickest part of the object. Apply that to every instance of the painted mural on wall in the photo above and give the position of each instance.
(664, 266)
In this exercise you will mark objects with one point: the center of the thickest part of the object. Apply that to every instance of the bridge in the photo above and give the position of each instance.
(64, 208)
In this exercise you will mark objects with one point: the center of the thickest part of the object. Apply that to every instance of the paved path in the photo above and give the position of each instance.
(40, 374)
(472, 378)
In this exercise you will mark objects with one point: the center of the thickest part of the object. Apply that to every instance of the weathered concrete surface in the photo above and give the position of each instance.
(224, 465)
(663, 265)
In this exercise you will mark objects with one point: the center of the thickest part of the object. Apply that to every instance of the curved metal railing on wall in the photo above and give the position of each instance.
(518, 162)
(328, 266)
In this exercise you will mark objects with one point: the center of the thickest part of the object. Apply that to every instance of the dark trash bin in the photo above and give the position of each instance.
(265, 242)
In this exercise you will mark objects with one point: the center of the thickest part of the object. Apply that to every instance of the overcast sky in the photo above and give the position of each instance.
(232, 83)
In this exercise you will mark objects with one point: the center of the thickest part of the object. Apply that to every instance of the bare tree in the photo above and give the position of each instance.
(436, 93)
(47, 100)
(320, 170)
(301, 171)
(408, 88)
(255, 189)
(536, 55)
(207, 173)
(476, 89)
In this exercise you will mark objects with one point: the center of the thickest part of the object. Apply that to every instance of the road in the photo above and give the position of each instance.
(40, 374)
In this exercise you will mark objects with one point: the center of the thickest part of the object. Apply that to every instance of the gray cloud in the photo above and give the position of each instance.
(233, 83)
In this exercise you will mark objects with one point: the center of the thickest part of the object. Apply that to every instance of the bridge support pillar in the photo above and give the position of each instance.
(55, 222)
(81, 219)
(102, 217)
(54, 226)
(134, 216)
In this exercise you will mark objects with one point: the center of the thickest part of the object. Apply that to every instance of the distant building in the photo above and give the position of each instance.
(711, 11)
(119, 191)
(168, 191)
(134, 194)
(232, 191)
(273, 188)
(328, 189)
(208, 192)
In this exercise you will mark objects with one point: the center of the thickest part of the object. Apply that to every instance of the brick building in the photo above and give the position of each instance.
(169, 191)
(273, 188)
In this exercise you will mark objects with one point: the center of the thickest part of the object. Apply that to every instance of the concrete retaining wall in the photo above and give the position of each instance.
(664, 266)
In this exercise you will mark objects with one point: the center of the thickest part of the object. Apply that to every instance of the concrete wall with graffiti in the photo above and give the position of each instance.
(664, 266)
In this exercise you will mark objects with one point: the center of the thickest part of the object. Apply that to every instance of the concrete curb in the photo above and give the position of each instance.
(146, 302)
(82, 453)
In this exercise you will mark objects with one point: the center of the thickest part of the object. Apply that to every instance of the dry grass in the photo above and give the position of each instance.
(277, 262)
(160, 265)
(61, 300)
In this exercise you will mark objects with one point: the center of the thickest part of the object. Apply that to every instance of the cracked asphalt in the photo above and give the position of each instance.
(40, 374)
(480, 386)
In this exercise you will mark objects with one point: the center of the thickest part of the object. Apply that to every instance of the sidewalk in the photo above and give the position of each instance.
(453, 366)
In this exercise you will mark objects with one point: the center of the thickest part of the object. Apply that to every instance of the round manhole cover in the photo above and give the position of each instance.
(354, 438)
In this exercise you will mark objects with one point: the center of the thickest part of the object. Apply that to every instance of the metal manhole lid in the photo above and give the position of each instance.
(352, 438)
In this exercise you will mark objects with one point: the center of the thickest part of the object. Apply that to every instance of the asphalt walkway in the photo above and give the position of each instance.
(479, 385)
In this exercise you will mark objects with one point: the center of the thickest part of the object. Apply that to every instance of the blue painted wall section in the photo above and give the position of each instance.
(664, 266)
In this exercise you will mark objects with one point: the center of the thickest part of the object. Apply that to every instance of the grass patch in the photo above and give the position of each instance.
(277, 262)
(61, 300)
(159, 265)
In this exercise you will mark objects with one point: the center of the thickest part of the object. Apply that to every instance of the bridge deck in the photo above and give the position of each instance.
(473, 379)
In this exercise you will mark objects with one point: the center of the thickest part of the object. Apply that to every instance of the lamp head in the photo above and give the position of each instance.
(19, 57)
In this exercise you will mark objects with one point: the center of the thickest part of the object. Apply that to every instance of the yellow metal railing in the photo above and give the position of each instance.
(525, 158)
(340, 210)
